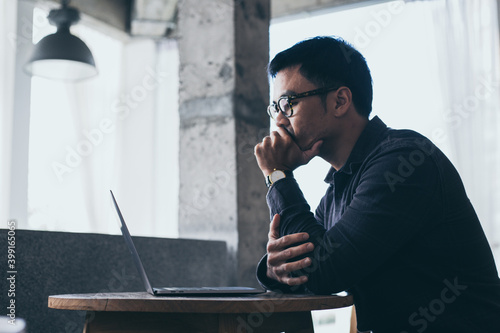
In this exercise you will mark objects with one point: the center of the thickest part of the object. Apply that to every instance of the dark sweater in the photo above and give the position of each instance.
(396, 230)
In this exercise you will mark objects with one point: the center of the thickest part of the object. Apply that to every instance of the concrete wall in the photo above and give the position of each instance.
(223, 51)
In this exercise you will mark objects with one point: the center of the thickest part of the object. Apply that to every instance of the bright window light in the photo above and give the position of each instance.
(393, 37)
(62, 116)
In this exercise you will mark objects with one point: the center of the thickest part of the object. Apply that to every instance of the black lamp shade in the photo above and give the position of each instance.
(62, 56)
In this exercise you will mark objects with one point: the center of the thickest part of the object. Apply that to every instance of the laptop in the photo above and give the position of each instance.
(174, 291)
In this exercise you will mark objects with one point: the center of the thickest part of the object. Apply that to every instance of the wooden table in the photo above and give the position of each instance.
(142, 312)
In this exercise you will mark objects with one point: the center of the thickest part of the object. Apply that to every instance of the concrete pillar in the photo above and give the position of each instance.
(223, 95)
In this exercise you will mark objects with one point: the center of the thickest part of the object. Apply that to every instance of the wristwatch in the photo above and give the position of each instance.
(277, 175)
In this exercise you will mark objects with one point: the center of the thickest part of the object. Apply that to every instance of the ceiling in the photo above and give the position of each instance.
(156, 18)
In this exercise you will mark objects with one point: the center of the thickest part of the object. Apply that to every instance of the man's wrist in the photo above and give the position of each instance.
(277, 175)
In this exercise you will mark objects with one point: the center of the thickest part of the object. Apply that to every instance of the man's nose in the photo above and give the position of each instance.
(281, 119)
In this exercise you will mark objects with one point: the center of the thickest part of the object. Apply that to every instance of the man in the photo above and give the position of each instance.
(395, 228)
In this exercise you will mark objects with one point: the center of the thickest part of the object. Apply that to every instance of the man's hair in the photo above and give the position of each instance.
(329, 61)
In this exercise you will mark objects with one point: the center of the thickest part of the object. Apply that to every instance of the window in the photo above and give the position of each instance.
(421, 82)
(398, 40)
(389, 35)
(71, 139)
(115, 131)
(7, 58)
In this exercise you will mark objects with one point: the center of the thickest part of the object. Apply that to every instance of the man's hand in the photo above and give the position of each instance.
(279, 151)
(279, 252)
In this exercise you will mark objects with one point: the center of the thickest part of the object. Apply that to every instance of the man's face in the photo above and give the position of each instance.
(308, 124)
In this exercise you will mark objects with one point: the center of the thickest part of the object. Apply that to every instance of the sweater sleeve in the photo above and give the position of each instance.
(387, 208)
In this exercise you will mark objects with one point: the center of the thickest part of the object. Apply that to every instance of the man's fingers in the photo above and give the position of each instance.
(278, 244)
(294, 281)
(278, 257)
(284, 133)
(281, 250)
(266, 142)
(282, 272)
(289, 280)
(275, 135)
(289, 267)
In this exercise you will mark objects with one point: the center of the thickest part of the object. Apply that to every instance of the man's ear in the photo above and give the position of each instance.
(342, 101)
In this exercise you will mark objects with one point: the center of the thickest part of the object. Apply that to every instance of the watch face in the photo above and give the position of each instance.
(277, 175)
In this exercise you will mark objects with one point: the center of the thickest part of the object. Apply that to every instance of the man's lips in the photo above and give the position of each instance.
(295, 140)
(290, 133)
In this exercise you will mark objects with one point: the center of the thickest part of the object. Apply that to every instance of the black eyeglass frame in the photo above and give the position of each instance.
(274, 108)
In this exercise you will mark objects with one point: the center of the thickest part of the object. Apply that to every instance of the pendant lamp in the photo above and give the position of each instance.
(62, 56)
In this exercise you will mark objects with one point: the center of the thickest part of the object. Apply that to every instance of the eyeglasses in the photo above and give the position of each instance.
(284, 104)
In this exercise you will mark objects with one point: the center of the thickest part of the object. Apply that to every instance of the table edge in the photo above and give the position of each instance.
(143, 302)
